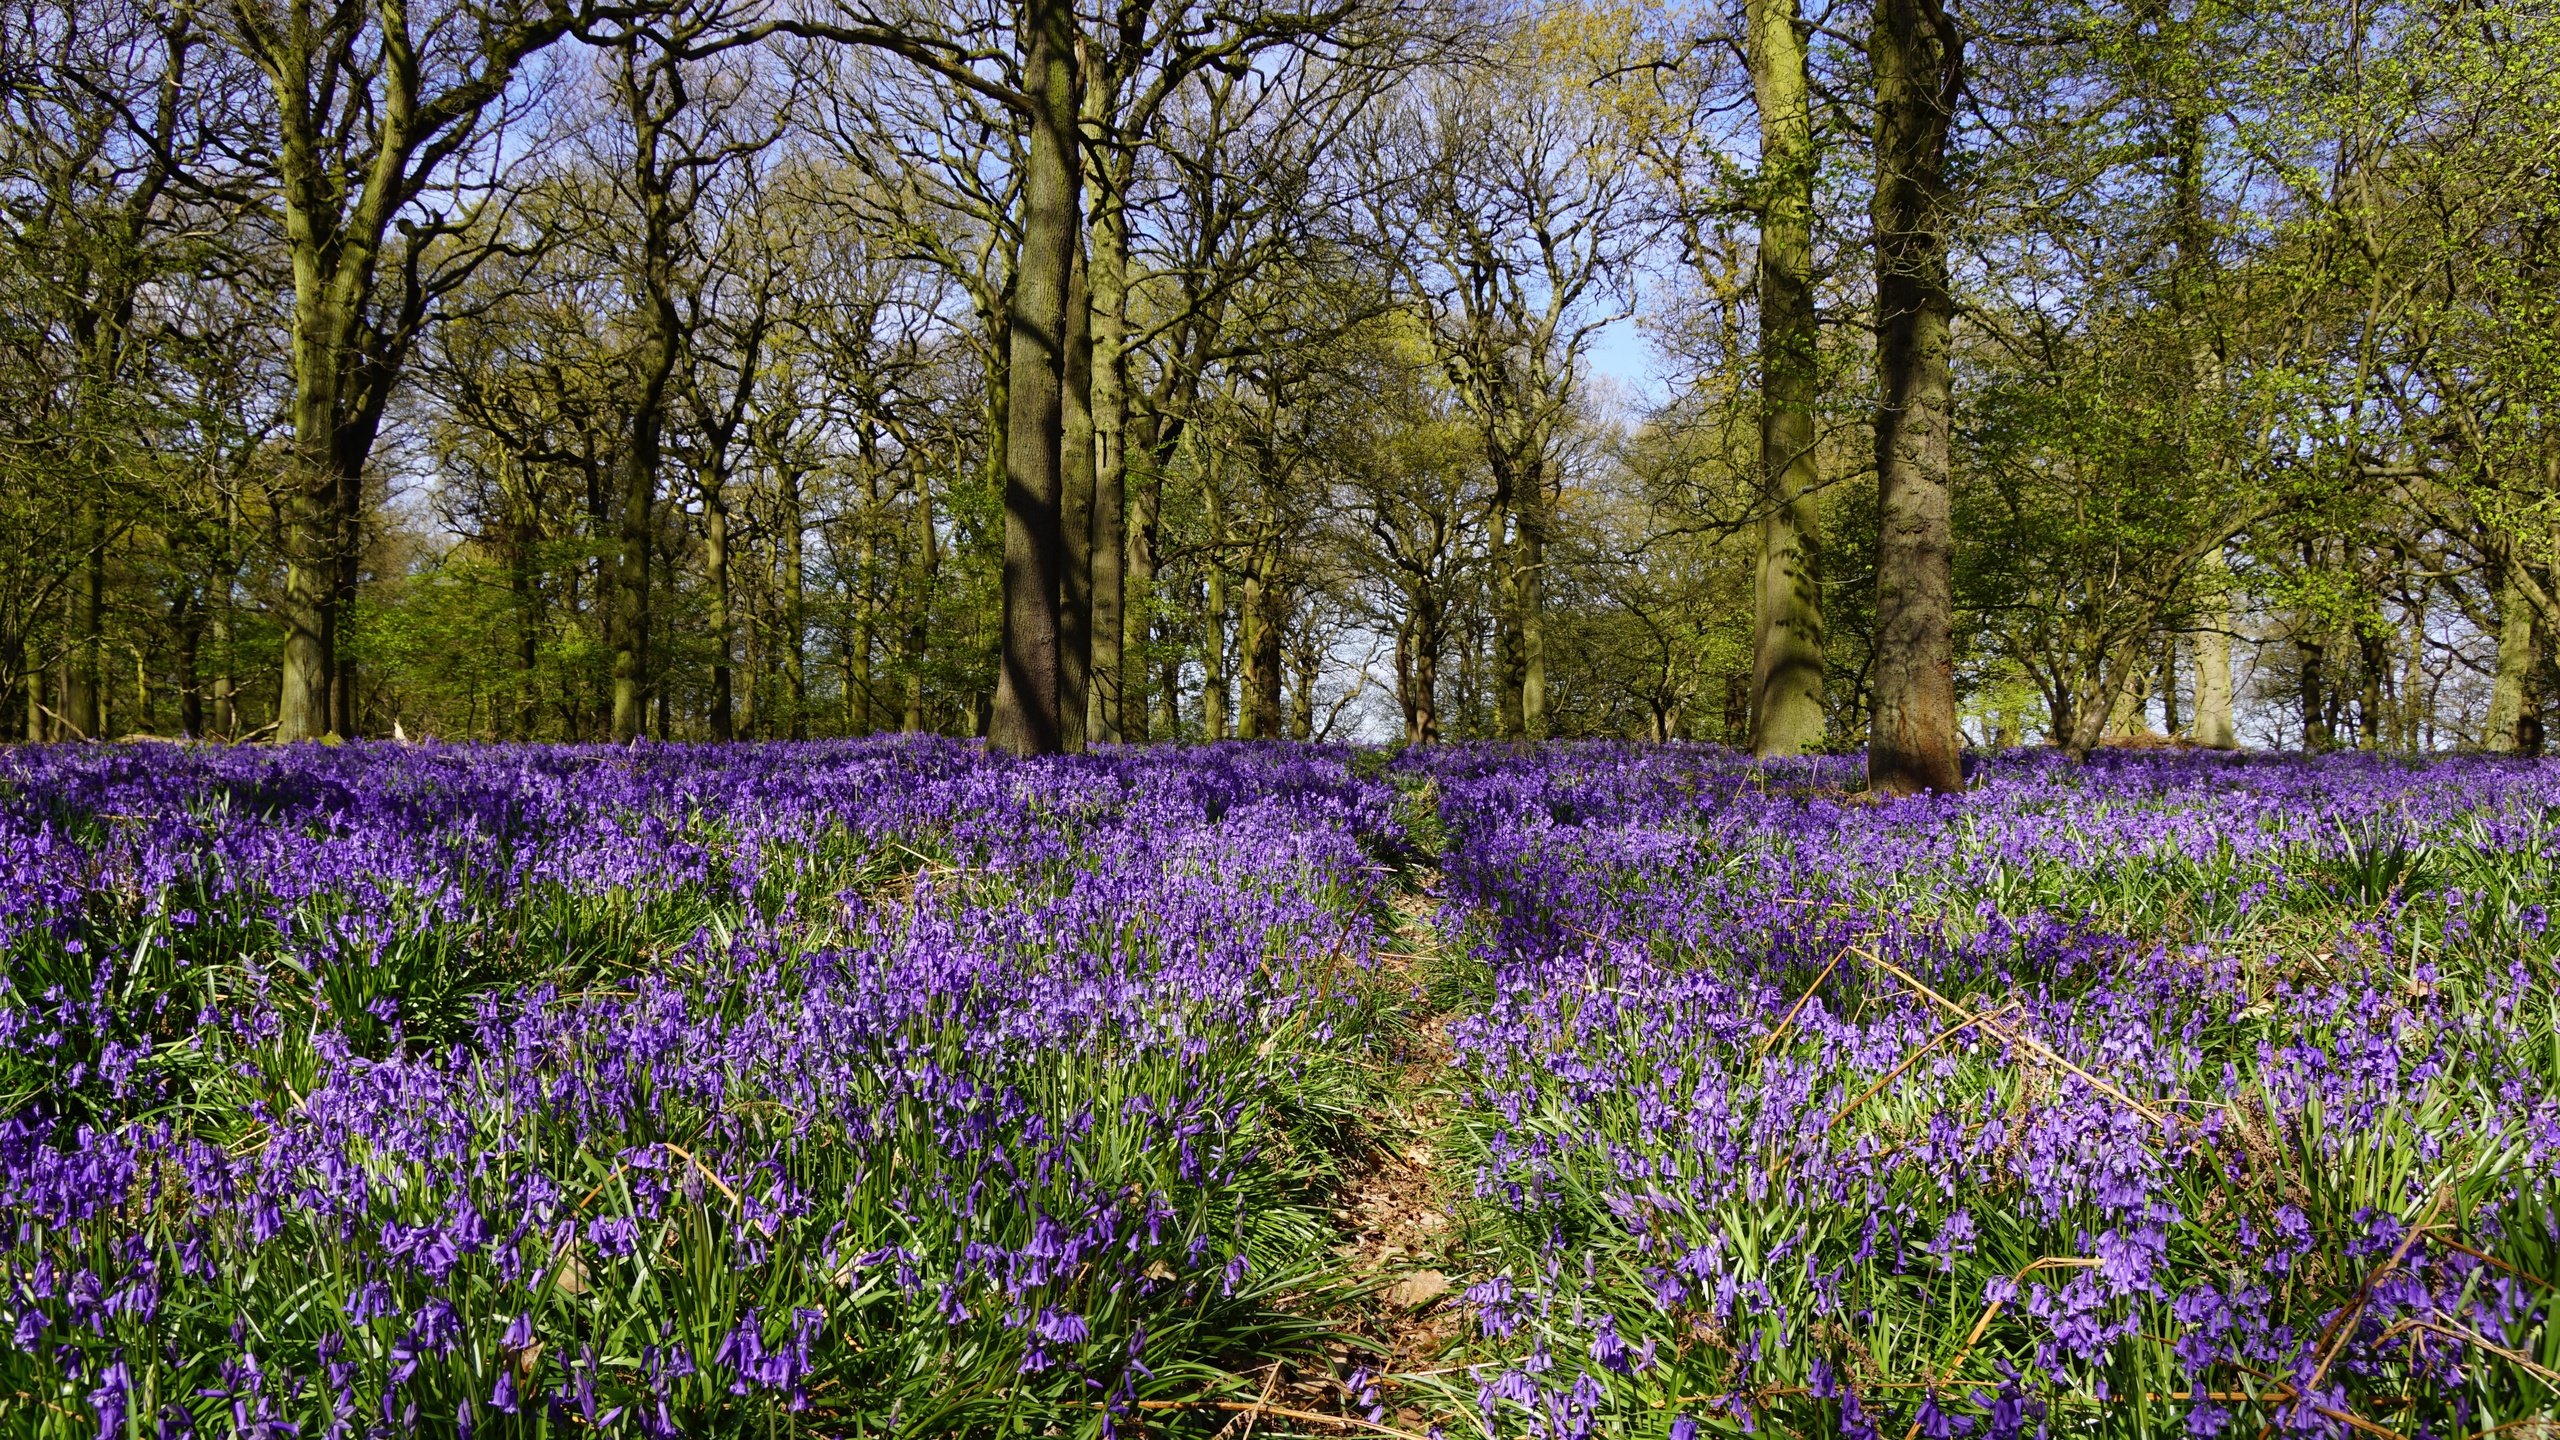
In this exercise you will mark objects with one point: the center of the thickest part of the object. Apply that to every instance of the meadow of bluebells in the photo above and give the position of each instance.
(2173, 1094)
(868, 1088)
(891, 1087)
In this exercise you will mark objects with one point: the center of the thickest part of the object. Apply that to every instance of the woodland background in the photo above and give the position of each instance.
(520, 370)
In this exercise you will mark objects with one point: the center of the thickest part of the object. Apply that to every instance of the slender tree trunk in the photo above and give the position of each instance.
(2213, 725)
(1075, 514)
(1531, 559)
(795, 601)
(32, 683)
(1509, 721)
(1107, 275)
(715, 585)
(2312, 663)
(1786, 626)
(190, 657)
(226, 684)
(1027, 718)
(1429, 639)
(84, 672)
(1154, 711)
(2169, 717)
(1213, 656)
(1918, 59)
(920, 614)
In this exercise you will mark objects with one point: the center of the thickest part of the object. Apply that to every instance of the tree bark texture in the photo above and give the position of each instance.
(1786, 625)
(1075, 512)
(2212, 725)
(1027, 719)
(1107, 279)
(1918, 58)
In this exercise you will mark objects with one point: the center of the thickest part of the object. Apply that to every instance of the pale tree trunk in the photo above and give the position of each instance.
(2126, 711)
(1914, 745)
(1027, 719)
(1107, 277)
(2212, 726)
(1786, 627)
(1075, 514)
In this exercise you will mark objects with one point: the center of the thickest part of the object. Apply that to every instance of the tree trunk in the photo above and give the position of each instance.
(1531, 560)
(189, 630)
(2312, 657)
(1107, 276)
(1027, 720)
(1213, 656)
(920, 616)
(84, 624)
(795, 604)
(1786, 625)
(1264, 635)
(2169, 717)
(1509, 722)
(1420, 671)
(2519, 652)
(715, 584)
(1075, 514)
(2212, 725)
(1919, 64)
(1154, 711)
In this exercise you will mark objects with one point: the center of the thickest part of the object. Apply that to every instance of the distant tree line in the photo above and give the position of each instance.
(1083, 374)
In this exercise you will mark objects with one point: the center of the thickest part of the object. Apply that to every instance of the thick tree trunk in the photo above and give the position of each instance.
(1027, 720)
(2519, 652)
(1919, 64)
(1107, 276)
(2213, 725)
(1786, 625)
(1075, 514)
(1263, 639)
(636, 541)
(2312, 664)
(1422, 703)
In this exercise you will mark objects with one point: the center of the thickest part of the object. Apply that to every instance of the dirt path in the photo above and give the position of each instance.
(1400, 1242)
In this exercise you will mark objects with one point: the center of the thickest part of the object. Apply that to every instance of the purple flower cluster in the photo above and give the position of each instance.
(880, 1087)
(2172, 1093)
